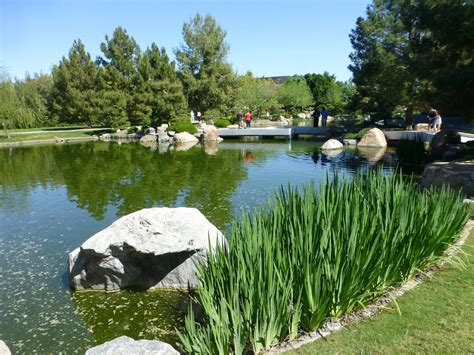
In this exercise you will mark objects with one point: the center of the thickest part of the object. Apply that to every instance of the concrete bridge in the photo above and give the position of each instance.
(294, 132)
(270, 132)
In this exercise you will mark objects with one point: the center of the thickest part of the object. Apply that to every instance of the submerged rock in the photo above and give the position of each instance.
(373, 138)
(127, 346)
(151, 248)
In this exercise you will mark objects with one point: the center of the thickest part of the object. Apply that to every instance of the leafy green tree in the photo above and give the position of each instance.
(164, 91)
(330, 93)
(295, 95)
(208, 79)
(35, 94)
(74, 87)
(385, 65)
(446, 52)
(257, 95)
(13, 112)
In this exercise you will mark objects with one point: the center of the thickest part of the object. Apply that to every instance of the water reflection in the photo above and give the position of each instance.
(372, 154)
(139, 315)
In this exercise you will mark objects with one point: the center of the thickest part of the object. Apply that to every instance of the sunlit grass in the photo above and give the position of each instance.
(309, 257)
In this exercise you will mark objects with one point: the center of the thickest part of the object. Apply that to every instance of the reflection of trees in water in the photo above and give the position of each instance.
(128, 176)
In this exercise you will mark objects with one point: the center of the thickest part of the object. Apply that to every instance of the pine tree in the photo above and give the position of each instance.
(208, 80)
(74, 87)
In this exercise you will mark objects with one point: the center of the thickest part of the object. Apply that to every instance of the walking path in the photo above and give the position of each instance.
(51, 131)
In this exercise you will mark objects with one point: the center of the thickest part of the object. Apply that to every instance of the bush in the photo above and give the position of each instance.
(222, 123)
(359, 135)
(179, 127)
(308, 257)
(133, 129)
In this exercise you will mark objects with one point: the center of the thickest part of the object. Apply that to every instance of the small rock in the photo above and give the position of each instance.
(349, 141)
(184, 137)
(148, 138)
(332, 144)
(4, 350)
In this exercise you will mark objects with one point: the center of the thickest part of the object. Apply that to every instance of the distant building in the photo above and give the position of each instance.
(277, 79)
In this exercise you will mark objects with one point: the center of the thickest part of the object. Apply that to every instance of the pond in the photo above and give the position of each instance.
(54, 197)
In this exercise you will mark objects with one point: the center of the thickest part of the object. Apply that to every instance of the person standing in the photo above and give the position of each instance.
(240, 117)
(324, 116)
(435, 120)
(315, 115)
(248, 119)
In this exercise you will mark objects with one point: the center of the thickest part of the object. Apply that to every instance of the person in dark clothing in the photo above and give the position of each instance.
(315, 116)
(240, 117)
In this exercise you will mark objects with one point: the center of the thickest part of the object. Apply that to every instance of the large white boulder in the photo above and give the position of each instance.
(4, 350)
(373, 138)
(127, 346)
(184, 137)
(332, 144)
(210, 134)
(151, 248)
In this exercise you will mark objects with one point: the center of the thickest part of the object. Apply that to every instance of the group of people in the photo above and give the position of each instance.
(324, 117)
(248, 119)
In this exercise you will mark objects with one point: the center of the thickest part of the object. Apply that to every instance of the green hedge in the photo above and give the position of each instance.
(179, 127)
(311, 256)
(222, 123)
(359, 135)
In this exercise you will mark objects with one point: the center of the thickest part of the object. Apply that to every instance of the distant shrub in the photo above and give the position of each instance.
(222, 123)
(133, 129)
(359, 135)
(179, 127)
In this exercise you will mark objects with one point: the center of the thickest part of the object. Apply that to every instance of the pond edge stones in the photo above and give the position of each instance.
(125, 346)
(150, 248)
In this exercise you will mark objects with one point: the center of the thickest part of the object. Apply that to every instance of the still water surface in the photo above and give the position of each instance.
(53, 198)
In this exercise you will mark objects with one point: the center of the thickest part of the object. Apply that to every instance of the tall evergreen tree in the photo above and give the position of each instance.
(207, 78)
(164, 91)
(121, 59)
(74, 83)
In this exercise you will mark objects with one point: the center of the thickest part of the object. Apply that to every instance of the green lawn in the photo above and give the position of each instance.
(436, 317)
(52, 135)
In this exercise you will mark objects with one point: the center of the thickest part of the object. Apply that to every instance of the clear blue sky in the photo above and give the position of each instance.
(269, 38)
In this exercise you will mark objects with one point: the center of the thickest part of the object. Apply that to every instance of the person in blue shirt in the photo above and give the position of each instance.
(324, 116)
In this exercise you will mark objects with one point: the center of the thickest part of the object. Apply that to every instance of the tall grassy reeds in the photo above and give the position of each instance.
(308, 257)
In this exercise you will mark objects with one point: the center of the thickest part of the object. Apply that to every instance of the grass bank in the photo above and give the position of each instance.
(36, 136)
(310, 257)
(435, 317)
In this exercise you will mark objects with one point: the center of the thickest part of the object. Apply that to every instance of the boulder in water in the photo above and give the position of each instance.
(151, 248)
